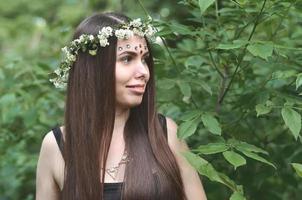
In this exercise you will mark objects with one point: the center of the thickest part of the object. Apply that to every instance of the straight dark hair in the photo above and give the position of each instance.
(153, 172)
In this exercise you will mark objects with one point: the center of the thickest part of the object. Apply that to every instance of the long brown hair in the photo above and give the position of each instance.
(153, 172)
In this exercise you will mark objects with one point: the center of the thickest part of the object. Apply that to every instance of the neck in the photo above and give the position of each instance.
(121, 116)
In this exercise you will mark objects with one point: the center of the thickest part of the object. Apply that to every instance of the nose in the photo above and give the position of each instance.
(142, 69)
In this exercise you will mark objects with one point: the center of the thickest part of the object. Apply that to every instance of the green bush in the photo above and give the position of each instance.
(229, 72)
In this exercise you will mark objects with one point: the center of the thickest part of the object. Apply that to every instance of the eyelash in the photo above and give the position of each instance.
(127, 59)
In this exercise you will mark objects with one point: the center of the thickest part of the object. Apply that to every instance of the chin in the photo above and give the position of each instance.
(130, 103)
(134, 104)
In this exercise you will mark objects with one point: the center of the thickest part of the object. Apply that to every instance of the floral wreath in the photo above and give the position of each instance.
(92, 43)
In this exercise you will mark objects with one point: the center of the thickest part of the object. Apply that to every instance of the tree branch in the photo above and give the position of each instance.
(242, 55)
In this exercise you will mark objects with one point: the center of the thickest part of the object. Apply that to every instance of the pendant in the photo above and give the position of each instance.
(113, 171)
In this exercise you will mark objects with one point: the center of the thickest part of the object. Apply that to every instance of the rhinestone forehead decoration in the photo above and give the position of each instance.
(128, 46)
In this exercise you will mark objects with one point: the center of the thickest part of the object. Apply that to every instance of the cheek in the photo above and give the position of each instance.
(121, 75)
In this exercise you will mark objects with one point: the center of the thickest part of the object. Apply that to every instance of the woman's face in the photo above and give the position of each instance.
(131, 71)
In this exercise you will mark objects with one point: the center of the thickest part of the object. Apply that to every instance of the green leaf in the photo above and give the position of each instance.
(203, 84)
(292, 120)
(261, 50)
(205, 4)
(6, 99)
(203, 167)
(228, 46)
(92, 52)
(262, 109)
(188, 128)
(180, 28)
(228, 182)
(212, 148)
(190, 115)
(237, 196)
(298, 168)
(242, 2)
(206, 87)
(194, 61)
(234, 45)
(299, 81)
(243, 146)
(257, 157)
(185, 88)
(211, 123)
(164, 32)
(206, 169)
(166, 83)
(284, 74)
(234, 158)
(195, 160)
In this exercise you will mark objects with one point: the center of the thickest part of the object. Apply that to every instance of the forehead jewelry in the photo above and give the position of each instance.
(92, 43)
(128, 46)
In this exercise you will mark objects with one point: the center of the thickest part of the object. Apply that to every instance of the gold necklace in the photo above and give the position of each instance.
(113, 171)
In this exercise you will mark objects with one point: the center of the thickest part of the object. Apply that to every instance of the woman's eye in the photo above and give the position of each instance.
(126, 59)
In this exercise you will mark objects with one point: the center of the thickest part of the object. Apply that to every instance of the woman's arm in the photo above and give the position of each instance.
(192, 183)
(46, 187)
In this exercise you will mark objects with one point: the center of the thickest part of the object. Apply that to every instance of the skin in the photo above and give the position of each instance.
(131, 69)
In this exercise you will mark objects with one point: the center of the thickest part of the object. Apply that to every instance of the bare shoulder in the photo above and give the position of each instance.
(171, 124)
(47, 168)
(49, 145)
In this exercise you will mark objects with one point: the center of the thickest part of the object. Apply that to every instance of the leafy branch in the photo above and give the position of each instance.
(242, 55)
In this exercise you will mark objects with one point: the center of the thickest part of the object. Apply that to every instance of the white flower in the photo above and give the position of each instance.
(57, 83)
(128, 33)
(65, 70)
(58, 71)
(120, 34)
(91, 37)
(71, 57)
(106, 31)
(65, 76)
(76, 41)
(150, 31)
(138, 32)
(103, 42)
(65, 50)
(123, 33)
(82, 38)
(136, 23)
(103, 36)
(52, 80)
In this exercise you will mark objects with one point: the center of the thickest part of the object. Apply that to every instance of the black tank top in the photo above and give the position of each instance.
(112, 191)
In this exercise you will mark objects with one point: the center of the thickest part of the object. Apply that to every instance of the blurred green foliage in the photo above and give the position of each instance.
(229, 72)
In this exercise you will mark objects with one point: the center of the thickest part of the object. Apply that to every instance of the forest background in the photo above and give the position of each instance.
(228, 72)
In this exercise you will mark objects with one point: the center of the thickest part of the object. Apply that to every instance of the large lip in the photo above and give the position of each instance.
(137, 88)
(136, 85)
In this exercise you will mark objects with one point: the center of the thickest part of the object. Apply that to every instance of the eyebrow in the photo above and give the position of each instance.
(133, 53)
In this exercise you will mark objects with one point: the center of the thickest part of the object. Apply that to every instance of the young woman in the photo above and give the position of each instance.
(111, 122)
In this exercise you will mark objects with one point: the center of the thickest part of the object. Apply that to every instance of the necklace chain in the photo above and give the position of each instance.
(113, 171)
